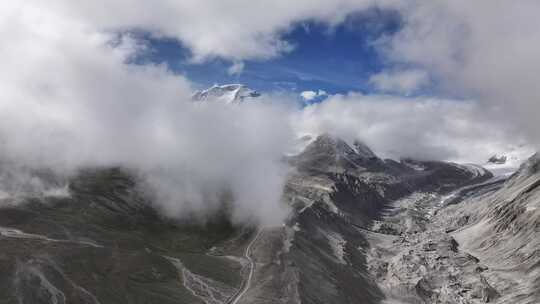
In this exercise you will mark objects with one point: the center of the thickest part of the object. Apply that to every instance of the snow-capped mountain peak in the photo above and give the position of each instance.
(228, 93)
(508, 161)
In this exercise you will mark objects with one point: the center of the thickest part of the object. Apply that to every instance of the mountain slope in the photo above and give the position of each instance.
(362, 230)
(477, 244)
(503, 231)
(105, 244)
(320, 256)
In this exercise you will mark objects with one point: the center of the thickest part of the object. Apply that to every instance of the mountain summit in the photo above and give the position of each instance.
(228, 93)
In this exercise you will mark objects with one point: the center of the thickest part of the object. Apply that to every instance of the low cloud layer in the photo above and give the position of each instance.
(69, 99)
(421, 128)
(401, 81)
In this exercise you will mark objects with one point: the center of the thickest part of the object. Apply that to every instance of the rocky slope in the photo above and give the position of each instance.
(338, 192)
(503, 231)
(105, 244)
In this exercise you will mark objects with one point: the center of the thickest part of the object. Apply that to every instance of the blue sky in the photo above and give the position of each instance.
(337, 60)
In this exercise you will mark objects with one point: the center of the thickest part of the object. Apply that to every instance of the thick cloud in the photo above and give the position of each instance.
(68, 98)
(486, 50)
(311, 95)
(400, 81)
(235, 29)
(395, 127)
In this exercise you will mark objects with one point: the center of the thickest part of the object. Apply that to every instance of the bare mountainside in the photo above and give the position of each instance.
(362, 230)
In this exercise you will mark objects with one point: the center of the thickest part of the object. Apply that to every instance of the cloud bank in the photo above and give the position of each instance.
(69, 98)
(400, 81)
(235, 30)
(484, 50)
(421, 128)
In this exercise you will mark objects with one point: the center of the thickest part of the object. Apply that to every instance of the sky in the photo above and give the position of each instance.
(335, 59)
(109, 83)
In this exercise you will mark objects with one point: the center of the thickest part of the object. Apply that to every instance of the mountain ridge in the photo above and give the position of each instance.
(227, 93)
(362, 230)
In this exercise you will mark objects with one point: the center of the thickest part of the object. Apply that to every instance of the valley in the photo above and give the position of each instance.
(361, 230)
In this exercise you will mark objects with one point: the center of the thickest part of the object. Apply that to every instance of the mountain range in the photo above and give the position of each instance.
(362, 229)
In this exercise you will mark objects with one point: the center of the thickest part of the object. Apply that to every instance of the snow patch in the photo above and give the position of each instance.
(58, 192)
(229, 94)
(416, 167)
(513, 158)
(337, 244)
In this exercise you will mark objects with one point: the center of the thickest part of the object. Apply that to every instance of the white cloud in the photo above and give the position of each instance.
(421, 128)
(400, 81)
(235, 30)
(483, 49)
(310, 95)
(322, 93)
(69, 99)
(236, 68)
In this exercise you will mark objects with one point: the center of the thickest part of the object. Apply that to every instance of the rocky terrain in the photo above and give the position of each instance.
(105, 244)
(339, 192)
(362, 230)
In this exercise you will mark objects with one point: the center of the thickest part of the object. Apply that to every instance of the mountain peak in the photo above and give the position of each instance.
(328, 151)
(508, 161)
(228, 93)
(339, 147)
